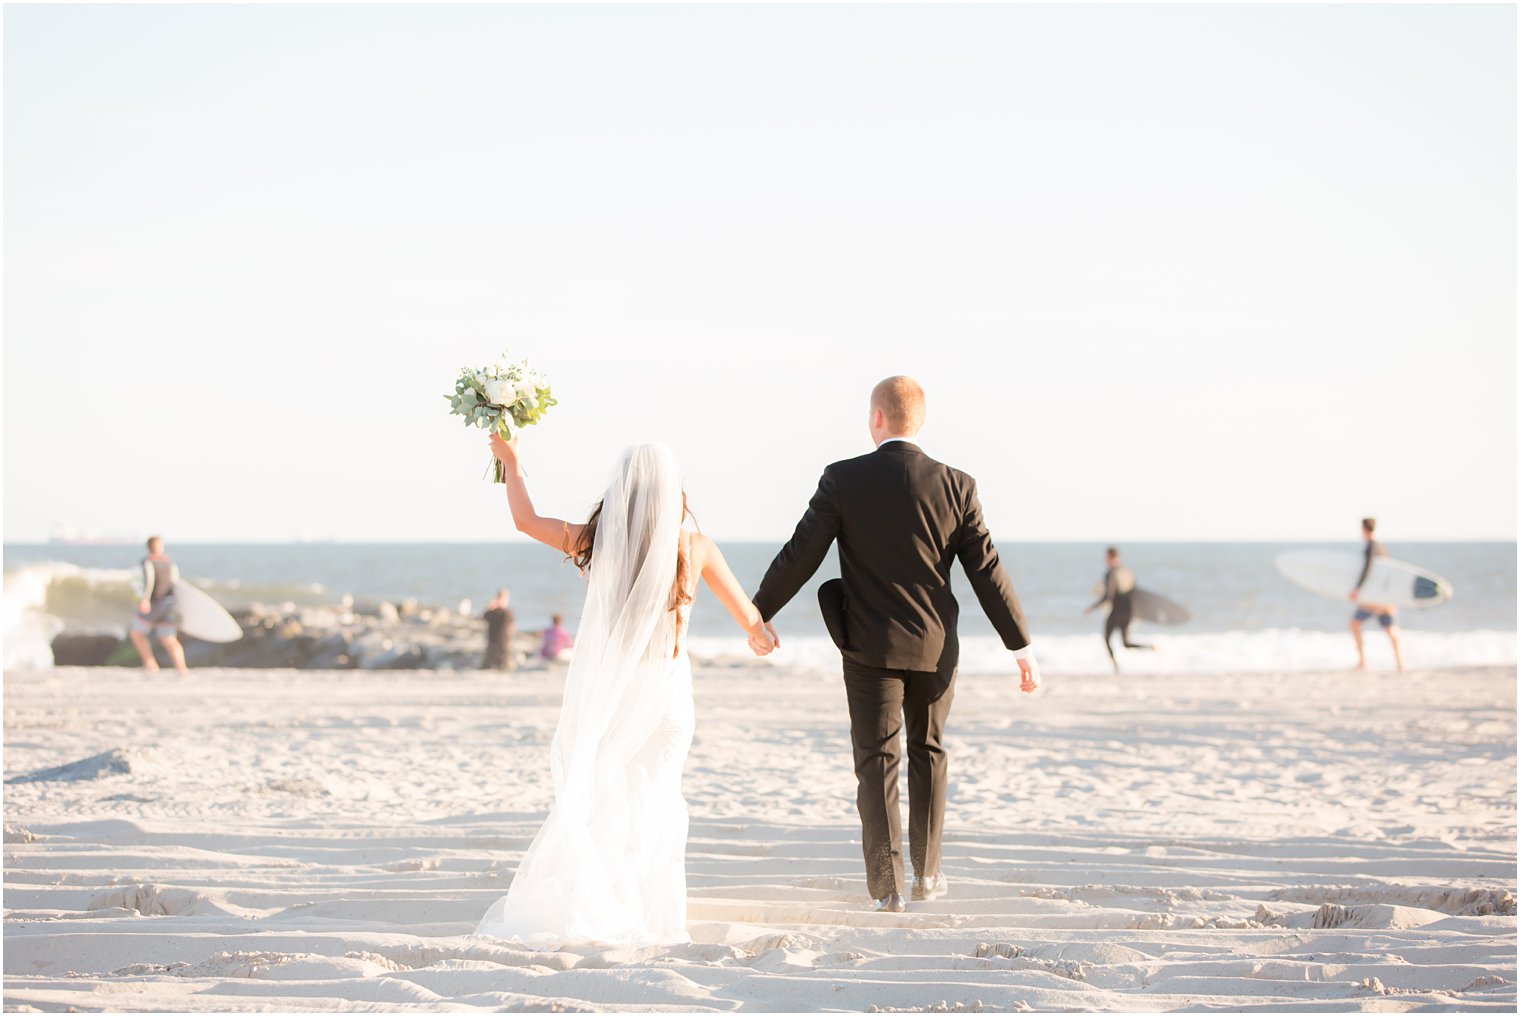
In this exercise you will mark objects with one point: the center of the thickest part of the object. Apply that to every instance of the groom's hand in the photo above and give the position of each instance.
(1029, 675)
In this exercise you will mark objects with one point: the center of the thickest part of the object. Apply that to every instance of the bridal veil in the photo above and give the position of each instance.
(600, 868)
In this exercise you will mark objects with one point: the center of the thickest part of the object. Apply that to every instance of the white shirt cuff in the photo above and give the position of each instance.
(1027, 653)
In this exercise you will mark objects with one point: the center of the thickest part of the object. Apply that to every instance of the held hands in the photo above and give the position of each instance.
(1029, 675)
(763, 639)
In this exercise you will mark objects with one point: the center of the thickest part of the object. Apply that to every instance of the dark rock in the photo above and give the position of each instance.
(86, 650)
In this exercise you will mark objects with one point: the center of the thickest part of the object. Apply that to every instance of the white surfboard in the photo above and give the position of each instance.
(1390, 583)
(202, 617)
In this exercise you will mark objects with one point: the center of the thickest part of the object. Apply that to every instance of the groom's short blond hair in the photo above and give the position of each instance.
(901, 401)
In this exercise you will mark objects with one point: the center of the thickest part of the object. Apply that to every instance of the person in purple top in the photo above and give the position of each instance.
(557, 641)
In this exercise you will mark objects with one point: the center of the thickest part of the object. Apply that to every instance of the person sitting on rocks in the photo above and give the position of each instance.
(557, 641)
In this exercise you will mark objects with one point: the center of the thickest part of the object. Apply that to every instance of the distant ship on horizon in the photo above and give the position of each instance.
(70, 536)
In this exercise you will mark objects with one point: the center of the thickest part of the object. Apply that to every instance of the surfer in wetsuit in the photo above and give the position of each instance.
(154, 583)
(1118, 596)
(1387, 615)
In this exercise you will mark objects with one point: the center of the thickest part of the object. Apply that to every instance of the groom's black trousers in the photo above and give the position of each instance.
(884, 703)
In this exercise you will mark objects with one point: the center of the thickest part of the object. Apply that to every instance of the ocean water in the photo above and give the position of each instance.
(1246, 615)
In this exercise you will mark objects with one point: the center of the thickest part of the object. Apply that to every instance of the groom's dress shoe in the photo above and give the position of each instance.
(930, 887)
(891, 904)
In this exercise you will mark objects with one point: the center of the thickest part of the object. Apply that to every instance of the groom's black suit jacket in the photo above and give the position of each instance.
(901, 520)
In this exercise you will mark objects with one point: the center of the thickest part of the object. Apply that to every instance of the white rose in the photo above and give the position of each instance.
(501, 392)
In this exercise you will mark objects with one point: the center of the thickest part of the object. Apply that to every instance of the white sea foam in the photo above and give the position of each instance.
(1271, 651)
(37, 594)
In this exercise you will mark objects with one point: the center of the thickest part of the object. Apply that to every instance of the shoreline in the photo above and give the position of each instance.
(1246, 614)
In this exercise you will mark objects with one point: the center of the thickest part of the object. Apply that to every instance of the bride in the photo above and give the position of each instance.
(609, 863)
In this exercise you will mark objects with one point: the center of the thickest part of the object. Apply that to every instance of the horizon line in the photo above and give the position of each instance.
(527, 541)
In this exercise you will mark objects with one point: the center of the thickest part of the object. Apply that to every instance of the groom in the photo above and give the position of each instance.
(901, 518)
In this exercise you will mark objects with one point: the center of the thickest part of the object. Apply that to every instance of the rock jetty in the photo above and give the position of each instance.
(377, 636)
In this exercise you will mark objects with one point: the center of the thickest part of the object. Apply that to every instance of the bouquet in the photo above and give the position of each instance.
(500, 397)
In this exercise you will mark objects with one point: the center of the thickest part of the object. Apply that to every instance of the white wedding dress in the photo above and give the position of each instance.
(609, 864)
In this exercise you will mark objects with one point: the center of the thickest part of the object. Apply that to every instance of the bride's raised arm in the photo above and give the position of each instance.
(557, 533)
(720, 579)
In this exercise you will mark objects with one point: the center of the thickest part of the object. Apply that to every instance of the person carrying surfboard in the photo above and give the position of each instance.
(156, 605)
(1386, 614)
(1118, 596)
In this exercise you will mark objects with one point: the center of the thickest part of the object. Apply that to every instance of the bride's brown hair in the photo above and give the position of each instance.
(581, 555)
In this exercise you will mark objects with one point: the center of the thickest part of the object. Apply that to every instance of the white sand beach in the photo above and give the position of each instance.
(327, 840)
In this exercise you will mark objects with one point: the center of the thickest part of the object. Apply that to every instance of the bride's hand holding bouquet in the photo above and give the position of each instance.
(504, 450)
(501, 398)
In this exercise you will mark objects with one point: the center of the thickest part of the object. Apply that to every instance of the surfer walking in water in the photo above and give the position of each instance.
(1386, 615)
(156, 606)
(1119, 597)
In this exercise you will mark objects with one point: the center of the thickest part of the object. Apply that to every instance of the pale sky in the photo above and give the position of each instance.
(1166, 273)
